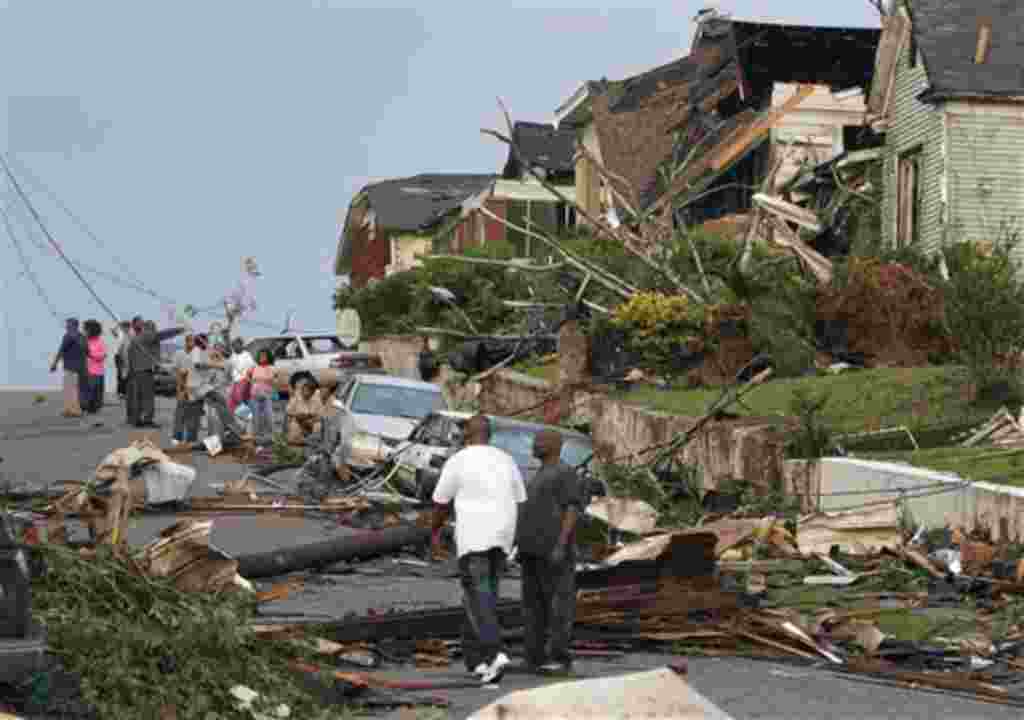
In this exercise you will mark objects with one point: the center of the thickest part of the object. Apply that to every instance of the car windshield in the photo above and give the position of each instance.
(326, 345)
(518, 442)
(396, 401)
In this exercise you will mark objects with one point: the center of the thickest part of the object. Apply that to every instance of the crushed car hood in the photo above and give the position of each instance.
(393, 428)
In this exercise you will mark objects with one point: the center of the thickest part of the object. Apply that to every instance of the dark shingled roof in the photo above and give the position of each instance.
(420, 202)
(946, 32)
(543, 146)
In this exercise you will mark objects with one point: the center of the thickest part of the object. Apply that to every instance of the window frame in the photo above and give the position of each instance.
(909, 171)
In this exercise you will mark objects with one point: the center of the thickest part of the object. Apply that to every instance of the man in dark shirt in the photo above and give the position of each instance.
(143, 357)
(546, 538)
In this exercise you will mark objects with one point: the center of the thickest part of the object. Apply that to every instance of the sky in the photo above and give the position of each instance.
(186, 136)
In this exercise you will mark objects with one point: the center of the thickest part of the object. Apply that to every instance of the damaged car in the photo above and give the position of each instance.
(440, 435)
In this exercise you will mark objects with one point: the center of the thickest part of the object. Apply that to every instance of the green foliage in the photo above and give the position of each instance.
(661, 325)
(813, 438)
(677, 507)
(984, 309)
(284, 453)
(402, 302)
(139, 645)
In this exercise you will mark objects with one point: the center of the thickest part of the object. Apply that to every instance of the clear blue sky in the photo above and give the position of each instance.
(190, 134)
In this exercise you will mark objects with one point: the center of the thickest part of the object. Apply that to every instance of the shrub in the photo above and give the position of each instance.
(984, 310)
(662, 328)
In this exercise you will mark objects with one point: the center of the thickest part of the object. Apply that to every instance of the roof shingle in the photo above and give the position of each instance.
(946, 32)
(543, 146)
(420, 202)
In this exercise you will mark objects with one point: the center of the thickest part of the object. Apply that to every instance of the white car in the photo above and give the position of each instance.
(389, 407)
(313, 354)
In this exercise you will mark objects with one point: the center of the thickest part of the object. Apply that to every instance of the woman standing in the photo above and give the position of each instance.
(96, 366)
(261, 379)
(71, 355)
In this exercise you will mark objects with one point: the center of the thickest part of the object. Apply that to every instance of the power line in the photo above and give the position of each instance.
(42, 226)
(76, 266)
(41, 187)
(26, 266)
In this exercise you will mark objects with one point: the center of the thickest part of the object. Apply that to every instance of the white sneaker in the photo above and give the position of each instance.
(480, 670)
(496, 670)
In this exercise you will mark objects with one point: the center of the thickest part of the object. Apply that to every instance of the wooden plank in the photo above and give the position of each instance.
(894, 33)
(819, 265)
(761, 127)
(788, 211)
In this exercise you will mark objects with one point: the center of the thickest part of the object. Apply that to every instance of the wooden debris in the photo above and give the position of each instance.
(916, 558)
(787, 211)
(1002, 430)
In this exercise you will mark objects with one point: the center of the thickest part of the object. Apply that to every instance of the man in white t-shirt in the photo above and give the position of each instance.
(486, 487)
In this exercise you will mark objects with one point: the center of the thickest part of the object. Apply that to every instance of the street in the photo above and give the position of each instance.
(39, 447)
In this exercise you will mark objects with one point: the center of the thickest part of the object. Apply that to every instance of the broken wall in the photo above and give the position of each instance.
(747, 448)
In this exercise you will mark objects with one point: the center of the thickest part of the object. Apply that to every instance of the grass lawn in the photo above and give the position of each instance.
(859, 400)
(994, 465)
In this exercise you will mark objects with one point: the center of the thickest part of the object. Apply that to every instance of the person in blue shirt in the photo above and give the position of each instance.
(71, 355)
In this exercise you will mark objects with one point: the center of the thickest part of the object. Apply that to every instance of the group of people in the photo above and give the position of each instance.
(209, 377)
(83, 356)
(496, 511)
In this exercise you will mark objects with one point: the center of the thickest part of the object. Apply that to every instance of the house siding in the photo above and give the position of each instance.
(986, 145)
(914, 124)
(371, 251)
(405, 247)
(494, 231)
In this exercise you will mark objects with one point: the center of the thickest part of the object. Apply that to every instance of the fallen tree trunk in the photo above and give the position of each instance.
(363, 545)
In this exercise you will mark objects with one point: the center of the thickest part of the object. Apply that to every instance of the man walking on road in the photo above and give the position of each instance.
(486, 487)
(546, 538)
(143, 356)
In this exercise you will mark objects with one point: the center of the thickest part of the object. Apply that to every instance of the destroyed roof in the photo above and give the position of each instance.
(418, 203)
(840, 57)
(543, 146)
(946, 32)
(733, 66)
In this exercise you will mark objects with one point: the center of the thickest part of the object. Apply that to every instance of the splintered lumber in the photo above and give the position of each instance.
(788, 211)
(362, 545)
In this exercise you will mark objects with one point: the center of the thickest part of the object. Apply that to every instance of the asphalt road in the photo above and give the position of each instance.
(39, 448)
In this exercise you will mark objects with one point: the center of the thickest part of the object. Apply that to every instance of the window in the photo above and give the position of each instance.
(518, 442)
(326, 345)
(908, 197)
(395, 401)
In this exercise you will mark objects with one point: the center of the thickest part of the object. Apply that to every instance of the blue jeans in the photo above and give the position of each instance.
(262, 415)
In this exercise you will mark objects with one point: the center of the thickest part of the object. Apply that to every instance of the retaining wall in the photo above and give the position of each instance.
(837, 483)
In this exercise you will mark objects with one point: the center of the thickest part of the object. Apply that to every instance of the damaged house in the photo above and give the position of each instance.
(518, 197)
(390, 223)
(949, 94)
(746, 90)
